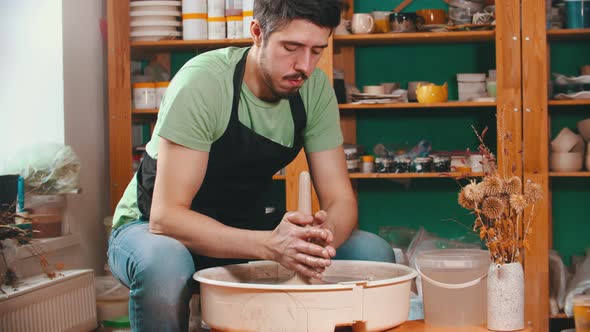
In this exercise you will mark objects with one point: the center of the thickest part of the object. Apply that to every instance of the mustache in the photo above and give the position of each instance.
(296, 76)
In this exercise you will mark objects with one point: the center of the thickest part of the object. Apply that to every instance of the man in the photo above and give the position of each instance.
(231, 119)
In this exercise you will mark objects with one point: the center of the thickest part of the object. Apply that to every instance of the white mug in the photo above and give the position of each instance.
(362, 23)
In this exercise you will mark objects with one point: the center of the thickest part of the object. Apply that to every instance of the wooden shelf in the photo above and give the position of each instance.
(141, 47)
(279, 177)
(145, 111)
(413, 175)
(577, 102)
(414, 38)
(568, 34)
(561, 315)
(569, 174)
(449, 104)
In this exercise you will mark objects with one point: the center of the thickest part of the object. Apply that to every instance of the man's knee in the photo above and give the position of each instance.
(362, 245)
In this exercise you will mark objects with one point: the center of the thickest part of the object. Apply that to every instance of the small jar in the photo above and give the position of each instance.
(422, 164)
(160, 91)
(352, 161)
(144, 95)
(441, 164)
(368, 164)
(383, 164)
(401, 164)
(460, 163)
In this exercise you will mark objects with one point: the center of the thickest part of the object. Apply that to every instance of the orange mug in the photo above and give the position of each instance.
(433, 16)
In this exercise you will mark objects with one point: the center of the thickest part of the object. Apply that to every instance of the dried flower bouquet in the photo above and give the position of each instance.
(498, 204)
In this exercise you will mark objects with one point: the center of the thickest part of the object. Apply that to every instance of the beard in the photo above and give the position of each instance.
(268, 81)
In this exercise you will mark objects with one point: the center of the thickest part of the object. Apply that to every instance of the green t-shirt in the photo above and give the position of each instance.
(196, 108)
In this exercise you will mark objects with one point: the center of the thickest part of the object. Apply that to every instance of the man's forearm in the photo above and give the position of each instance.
(342, 219)
(206, 236)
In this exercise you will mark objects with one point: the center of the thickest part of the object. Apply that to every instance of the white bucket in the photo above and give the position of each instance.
(112, 298)
(454, 286)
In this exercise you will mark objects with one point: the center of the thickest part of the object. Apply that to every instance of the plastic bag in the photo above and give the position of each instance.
(579, 284)
(47, 168)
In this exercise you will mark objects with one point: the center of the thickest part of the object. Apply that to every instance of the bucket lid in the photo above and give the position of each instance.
(582, 300)
(122, 321)
(453, 259)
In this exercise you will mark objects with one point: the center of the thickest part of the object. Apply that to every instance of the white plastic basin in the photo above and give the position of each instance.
(370, 296)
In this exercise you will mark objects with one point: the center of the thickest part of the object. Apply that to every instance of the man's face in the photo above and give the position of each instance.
(289, 56)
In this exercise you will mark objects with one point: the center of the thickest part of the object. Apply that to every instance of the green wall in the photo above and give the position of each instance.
(431, 203)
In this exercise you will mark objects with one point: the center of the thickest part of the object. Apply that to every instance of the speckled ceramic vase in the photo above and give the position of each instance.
(506, 297)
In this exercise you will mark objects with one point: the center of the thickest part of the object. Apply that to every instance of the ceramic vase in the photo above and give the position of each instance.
(506, 297)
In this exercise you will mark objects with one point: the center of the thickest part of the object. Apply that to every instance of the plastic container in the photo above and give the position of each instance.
(368, 164)
(582, 312)
(454, 286)
(144, 95)
(471, 86)
(112, 298)
(257, 296)
(46, 225)
(119, 324)
(160, 91)
(578, 14)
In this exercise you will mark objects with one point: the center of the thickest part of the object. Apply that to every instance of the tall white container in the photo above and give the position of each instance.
(248, 16)
(194, 19)
(233, 15)
(216, 19)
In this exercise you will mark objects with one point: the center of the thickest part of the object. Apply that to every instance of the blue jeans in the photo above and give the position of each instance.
(158, 270)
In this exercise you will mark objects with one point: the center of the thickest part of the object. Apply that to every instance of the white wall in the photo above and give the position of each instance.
(53, 88)
(85, 78)
(31, 74)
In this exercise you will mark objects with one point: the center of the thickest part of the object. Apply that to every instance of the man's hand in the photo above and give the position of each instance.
(319, 220)
(293, 244)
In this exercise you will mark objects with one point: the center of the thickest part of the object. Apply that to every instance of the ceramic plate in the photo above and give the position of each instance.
(155, 13)
(565, 80)
(154, 3)
(154, 35)
(578, 95)
(155, 23)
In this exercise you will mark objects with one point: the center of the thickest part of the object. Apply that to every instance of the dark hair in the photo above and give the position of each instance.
(274, 15)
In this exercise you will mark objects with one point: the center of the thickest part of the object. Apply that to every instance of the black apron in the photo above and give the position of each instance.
(239, 171)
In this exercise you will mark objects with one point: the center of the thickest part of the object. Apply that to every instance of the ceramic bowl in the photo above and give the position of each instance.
(580, 146)
(587, 163)
(564, 141)
(566, 161)
(584, 129)
(430, 93)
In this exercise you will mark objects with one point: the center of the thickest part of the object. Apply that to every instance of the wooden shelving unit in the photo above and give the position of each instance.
(522, 82)
(449, 104)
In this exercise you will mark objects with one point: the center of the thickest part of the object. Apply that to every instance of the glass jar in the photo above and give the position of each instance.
(401, 164)
(441, 164)
(383, 164)
(352, 160)
(422, 164)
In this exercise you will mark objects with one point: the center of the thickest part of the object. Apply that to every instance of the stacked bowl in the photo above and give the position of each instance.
(584, 130)
(155, 20)
(567, 152)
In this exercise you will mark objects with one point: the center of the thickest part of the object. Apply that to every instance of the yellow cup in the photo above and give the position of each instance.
(582, 313)
(381, 21)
